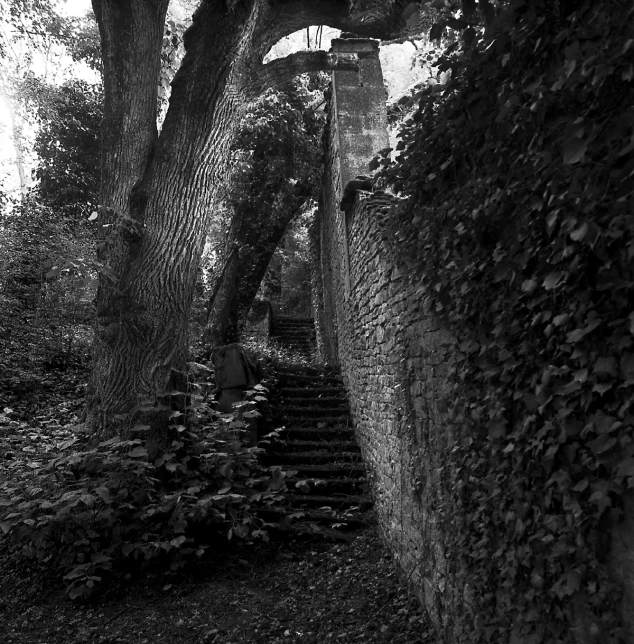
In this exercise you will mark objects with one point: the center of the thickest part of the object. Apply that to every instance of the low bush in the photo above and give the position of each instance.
(107, 510)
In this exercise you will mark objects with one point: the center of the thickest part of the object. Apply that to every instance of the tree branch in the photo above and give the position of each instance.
(282, 70)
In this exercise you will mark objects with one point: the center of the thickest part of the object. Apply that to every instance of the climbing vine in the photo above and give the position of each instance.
(520, 217)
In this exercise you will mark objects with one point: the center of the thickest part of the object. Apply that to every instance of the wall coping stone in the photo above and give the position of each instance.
(354, 45)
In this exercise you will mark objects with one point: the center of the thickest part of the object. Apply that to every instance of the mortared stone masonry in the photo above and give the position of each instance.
(392, 352)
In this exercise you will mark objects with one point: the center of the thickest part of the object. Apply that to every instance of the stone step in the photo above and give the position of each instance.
(328, 471)
(275, 456)
(298, 344)
(300, 336)
(286, 319)
(322, 422)
(307, 402)
(330, 446)
(309, 532)
(315, 444)
(316, 433)
(322, 393)
(361, 501)
(347, 519)
(308, 371)
(314, 411)
(307, 380)
(308, 485)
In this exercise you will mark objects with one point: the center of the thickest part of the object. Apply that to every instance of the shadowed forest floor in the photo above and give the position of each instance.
(292, 592)
(295, 591)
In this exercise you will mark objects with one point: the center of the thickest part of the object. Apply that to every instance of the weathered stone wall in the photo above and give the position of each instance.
(390, 351)
(393, 355)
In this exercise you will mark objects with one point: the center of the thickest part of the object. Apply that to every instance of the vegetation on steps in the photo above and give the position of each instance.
(313, 441)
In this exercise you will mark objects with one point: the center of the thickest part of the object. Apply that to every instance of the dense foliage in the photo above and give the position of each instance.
(94, 513)
(519, 175)
(275, 178)
(67, 145)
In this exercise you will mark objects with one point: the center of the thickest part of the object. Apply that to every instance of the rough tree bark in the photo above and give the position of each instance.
(156, 192)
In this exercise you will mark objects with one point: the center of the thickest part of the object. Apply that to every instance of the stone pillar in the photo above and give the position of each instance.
(359, 109)
(359, 119)
(356, 131)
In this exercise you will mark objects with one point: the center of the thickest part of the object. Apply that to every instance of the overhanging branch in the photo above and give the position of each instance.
(280, 71)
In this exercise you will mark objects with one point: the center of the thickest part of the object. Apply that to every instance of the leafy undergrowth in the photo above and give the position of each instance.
(272, 353)
(308, 592)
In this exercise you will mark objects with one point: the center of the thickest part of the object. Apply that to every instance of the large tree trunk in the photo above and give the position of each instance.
(156, 193)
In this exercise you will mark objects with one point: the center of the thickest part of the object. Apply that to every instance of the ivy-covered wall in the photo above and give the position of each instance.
(392, 355)
(484, 325)
(393, 362)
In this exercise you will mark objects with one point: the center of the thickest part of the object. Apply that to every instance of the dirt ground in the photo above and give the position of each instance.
(305, 592)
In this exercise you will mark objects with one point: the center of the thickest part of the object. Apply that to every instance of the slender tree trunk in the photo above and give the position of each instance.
(16, 140)
(219, 316)
(260, 253)
(254, 238)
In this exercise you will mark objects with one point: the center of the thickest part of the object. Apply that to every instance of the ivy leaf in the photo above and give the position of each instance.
(176, 543)
(497, 429)
(303, 486)
(602, 444)
(104, 493)
(579, 233)
(552, 280)
(573, 581)
(138, 452)
(626, 468)
(606, 366)
(578, 334)
(529, 286)
(559, 320)
(574, 150)
(601, 388)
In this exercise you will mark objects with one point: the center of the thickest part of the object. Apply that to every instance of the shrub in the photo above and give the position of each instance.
(93, 512)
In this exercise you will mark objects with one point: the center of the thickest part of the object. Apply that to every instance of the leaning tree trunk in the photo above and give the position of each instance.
(157, 192)
(222, 301)
(261, 249)
(253, 240)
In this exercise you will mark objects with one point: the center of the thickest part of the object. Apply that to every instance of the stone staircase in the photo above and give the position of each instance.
(296, 334)
(315, 444)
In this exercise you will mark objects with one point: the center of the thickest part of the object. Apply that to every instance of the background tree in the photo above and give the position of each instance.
(68, 147)
(277, 172)
(48, 226)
